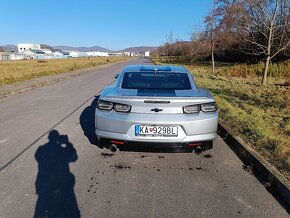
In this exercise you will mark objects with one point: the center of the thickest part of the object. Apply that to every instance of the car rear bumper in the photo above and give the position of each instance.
(155, 146)
(126, 137)
(191, 128)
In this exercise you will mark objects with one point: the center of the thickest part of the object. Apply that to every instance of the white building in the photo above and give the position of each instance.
(77, 54)
(97, 54)
(147, 53)
(8, 56)
(48, 54)
(116, 54)
(17, 56)
(73, 54)
(57, 54)
(46, 51)
(33, 54)
(27, 46)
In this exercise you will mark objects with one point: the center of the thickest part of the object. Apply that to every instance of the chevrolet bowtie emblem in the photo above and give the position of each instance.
(156, 109)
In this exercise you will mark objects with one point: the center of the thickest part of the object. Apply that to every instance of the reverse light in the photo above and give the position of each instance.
(105, 105)
(209, 107)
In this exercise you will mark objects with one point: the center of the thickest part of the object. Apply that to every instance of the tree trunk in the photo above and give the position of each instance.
(267, 61)
(212, 63)
(212, 56)
(212, 37)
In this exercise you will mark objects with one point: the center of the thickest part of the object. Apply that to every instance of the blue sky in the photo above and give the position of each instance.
(114, 23)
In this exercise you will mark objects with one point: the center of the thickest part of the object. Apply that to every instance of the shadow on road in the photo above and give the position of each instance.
(55, 183)
(87, 121)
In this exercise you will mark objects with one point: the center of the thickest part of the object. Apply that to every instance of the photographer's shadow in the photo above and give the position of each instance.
(55, 183)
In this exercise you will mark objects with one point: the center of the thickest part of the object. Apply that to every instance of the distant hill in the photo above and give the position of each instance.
(44, 46)
(9, 48)
(140, 49)
(82, 49)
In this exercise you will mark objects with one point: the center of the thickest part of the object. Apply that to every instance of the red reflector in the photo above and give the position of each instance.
(194, 144)
(117, 142)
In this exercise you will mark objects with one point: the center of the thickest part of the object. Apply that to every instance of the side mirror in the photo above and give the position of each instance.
(116, 75)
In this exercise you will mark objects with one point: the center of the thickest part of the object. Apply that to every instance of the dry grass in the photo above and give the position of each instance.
(260, 115)
(16, 71)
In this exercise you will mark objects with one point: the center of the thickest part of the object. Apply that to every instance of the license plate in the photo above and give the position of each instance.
(141, 130)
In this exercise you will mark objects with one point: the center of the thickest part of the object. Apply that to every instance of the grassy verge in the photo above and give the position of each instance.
(16, 71)
(260, 115)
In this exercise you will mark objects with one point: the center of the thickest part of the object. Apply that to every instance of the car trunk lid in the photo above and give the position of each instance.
(157, 101)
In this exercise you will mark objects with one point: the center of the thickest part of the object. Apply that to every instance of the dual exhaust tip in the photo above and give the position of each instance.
(113, 148)
(196, 148)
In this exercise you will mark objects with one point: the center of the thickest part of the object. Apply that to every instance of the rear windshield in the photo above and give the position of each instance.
(159, 80)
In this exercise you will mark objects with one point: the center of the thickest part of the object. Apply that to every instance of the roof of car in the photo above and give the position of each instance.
(160, 68)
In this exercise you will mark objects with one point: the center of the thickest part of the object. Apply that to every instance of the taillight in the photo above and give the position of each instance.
(106, 105)
(124, 108)
(209, 107)
(193, 109)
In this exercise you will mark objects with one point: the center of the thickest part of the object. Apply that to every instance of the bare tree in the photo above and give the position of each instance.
(221, 30)
(167, 47)
(265, 26)
(212, 42)
(210, 26)
(227, 14)
(200, 44)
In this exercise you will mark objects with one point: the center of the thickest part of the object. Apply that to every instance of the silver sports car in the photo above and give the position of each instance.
(156, 106)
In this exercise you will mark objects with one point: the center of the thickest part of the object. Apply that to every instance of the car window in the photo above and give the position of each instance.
(159, 80)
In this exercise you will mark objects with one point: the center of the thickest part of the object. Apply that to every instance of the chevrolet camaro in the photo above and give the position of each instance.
(156, 106)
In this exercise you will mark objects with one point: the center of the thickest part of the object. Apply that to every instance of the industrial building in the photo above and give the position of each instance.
(27, 46)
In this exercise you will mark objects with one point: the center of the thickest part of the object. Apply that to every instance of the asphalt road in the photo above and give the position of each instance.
(42, 179)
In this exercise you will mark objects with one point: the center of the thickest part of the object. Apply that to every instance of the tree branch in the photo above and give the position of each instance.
(283, 48)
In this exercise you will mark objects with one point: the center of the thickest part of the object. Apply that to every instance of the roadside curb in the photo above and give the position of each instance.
(273, 181)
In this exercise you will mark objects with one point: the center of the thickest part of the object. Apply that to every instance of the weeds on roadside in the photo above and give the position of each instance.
(259, 114)
(16, 71)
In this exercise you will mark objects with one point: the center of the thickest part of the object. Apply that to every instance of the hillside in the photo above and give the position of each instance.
(83, 49)
(140, 49)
